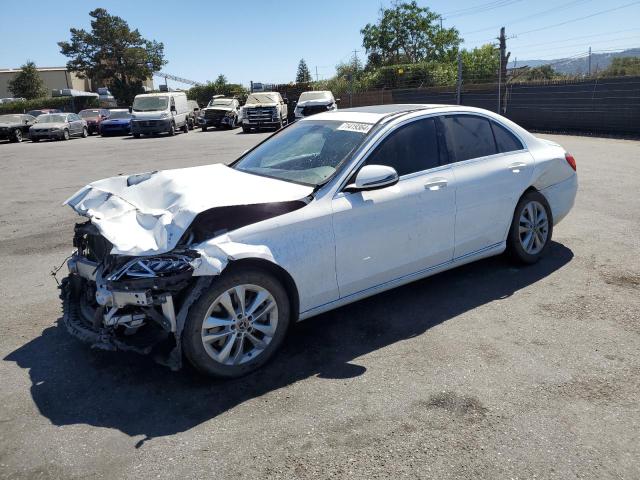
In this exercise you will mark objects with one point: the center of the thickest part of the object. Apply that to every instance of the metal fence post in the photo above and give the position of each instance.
(459, 83)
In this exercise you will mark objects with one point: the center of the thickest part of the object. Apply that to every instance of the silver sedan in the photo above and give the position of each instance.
(58, 126)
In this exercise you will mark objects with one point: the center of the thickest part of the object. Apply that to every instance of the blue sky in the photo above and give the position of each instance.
(264, 40)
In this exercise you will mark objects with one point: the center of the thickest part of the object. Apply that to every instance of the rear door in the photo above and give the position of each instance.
(492, 169)
(387, 234)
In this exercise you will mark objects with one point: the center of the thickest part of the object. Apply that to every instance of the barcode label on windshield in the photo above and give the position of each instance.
(355, 127)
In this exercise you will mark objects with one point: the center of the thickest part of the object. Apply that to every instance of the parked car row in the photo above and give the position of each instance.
(165, 112)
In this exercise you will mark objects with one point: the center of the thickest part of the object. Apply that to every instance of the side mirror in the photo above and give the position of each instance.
(173, 108)
(285, 101)
(372, 177)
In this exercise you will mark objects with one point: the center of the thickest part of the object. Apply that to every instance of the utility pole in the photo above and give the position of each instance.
(459, 82)
(504, 60)
(316, 73)
(589, 61)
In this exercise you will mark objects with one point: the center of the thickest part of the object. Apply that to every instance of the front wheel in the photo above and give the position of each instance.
(65, 135)
(185, 127)
(246, 129)
(17, 136)
(85, 133)
(531, 229)
(204, 128)
(237, 326)
(172, 129)
(136, 135)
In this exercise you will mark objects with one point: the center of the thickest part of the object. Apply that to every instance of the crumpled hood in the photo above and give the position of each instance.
(261, 105)
(226, 108)
(312, 103)
(148, 213)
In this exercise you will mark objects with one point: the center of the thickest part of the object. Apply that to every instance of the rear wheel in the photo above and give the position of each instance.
(35, 139)
(172, 129)
(136, 135)
(246, 129)
(185, 127)
(238, 325)
(204, 128)
(531, 228)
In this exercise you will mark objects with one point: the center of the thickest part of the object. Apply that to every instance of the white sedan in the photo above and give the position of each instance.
(215, 262)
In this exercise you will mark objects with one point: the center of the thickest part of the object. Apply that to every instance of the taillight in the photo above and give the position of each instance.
(570, 160)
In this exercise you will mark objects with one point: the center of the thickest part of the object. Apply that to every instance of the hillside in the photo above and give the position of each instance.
(579, 66)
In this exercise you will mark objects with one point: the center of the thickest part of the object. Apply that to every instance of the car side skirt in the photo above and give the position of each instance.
(489, 251)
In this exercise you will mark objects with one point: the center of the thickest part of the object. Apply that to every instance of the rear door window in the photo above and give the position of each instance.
(411, 148)
(467, 137)
(505, 140)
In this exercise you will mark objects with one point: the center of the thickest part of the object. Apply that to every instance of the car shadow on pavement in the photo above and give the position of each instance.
(72, 384)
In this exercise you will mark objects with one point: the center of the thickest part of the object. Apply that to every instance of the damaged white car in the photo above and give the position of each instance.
(216, 262)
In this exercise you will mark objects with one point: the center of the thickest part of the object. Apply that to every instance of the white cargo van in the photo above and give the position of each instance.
(163, 112)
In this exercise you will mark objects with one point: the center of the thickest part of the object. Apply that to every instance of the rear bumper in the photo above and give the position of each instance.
(561, 197)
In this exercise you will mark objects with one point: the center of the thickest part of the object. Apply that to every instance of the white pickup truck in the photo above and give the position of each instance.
(264, 110)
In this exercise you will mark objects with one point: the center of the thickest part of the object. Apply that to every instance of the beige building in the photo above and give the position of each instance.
(55, 78)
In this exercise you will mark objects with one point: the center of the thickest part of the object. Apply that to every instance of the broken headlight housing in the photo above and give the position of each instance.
(153, 267)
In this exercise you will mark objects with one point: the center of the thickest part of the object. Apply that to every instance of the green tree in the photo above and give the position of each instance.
(27, 83)
(203, 93)
(543, 72)
(622, 66)
(112, 54)
(407, 33)
(303, 75)
(480, 64)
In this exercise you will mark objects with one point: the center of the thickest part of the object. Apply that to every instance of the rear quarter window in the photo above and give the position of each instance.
(505, 140)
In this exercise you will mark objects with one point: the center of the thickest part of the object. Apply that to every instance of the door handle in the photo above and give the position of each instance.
(516, 167)
(436, 184)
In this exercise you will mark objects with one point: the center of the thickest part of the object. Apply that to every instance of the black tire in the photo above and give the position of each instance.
(185, 127)
(136, 135)
(35, 139)
(17, 136)
(515, 249)
(65, 135)
(246, 129)
(204, 128)
(172, 129)
(85, 134)
(191, 337)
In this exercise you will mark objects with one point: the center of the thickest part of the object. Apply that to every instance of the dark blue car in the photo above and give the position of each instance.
(118, 123)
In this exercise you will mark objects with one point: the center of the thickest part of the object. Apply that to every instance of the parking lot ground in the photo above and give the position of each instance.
(488, 371)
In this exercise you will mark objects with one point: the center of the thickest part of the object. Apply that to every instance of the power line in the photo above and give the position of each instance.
(534, 15)
(602, 12)
(555, 42)
(479, 8)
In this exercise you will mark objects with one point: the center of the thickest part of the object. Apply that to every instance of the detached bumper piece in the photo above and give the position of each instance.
(125, 303)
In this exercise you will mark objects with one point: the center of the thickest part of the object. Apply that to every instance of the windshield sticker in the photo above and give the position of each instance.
(355, 127)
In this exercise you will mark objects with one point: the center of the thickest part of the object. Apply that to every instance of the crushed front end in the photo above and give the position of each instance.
(119, 302)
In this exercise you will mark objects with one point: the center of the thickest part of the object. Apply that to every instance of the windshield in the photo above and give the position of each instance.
(89, 113)
(119, 115)
(220, 101)
(10, 119)
(52, 118)
(307, 152)
(150, 104)
(262, 98)
(314, 96)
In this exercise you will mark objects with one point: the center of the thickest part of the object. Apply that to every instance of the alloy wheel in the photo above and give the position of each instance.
(533, 227)
(239, 324)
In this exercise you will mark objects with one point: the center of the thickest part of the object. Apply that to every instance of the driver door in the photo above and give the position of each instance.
(400, 231)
